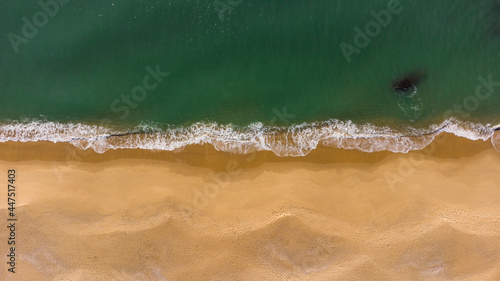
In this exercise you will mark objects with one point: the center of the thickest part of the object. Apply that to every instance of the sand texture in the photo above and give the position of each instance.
(205, 215)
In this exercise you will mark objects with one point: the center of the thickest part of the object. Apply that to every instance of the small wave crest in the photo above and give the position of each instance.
(294, 140)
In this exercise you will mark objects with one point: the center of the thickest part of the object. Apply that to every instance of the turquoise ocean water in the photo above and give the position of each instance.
(244, 75)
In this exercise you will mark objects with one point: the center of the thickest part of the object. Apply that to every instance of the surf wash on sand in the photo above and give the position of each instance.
(296, 140)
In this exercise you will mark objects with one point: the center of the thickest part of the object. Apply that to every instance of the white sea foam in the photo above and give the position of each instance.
(295, 140)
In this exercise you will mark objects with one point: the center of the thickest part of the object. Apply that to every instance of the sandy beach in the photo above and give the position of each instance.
(200, 214)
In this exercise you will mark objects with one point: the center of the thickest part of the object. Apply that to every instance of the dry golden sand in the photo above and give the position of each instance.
(207, 215)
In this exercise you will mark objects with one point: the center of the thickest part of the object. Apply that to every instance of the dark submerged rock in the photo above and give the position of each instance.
(408, 82)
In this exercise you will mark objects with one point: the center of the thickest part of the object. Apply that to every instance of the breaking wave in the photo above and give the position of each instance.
(295, 140)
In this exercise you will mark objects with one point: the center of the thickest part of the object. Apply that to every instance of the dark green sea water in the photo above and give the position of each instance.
(274, 62)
